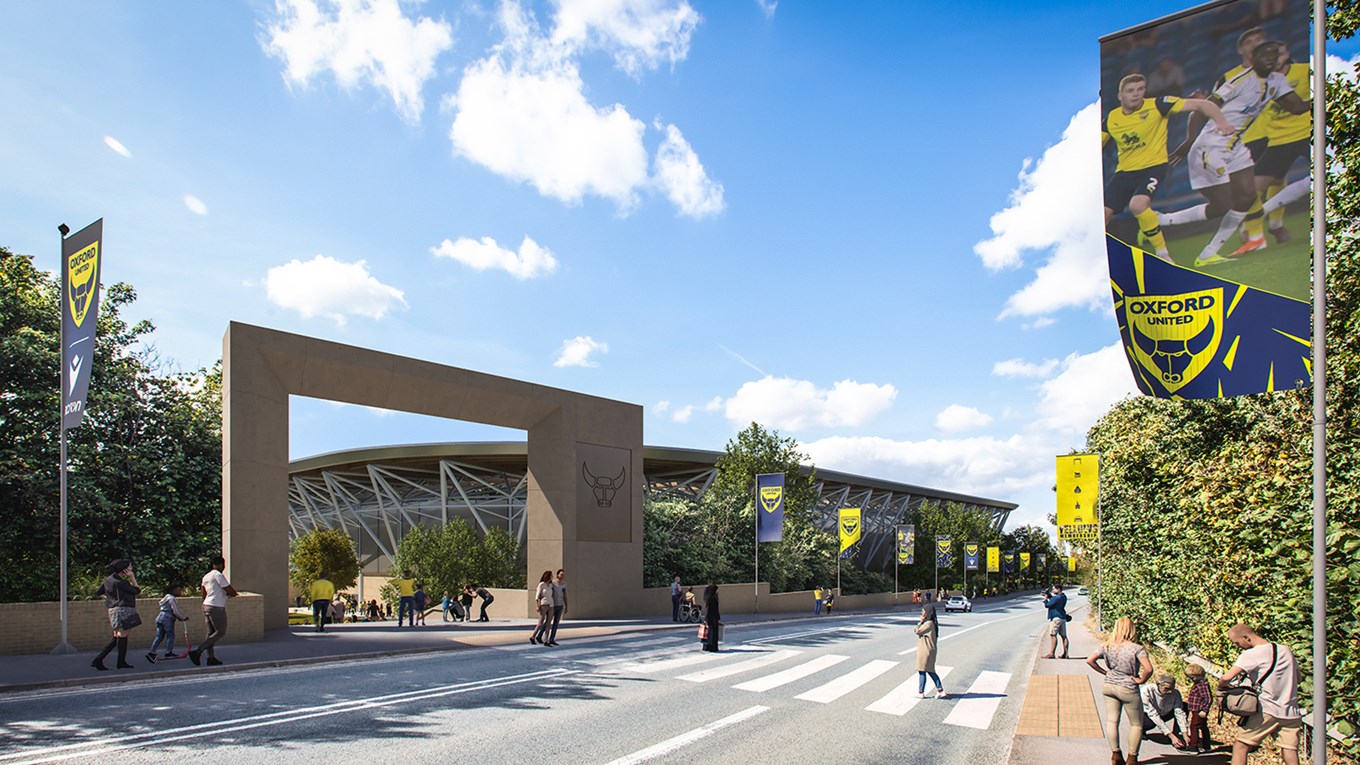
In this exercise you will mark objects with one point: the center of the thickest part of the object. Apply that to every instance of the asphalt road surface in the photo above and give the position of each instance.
(830, 689)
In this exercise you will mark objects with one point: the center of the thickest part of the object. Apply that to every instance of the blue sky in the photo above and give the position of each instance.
(871, 226)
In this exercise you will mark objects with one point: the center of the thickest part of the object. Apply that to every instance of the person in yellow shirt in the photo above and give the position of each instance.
(1288, 139)
(817, 605)
(322, 592)
(406, 588)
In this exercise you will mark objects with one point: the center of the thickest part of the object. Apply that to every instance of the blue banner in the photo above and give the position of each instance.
(1008, 562)
(770, 507)
(944, 552)
(81, 258)
(971, 554)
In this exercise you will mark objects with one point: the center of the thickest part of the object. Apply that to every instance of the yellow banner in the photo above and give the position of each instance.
(1024, 561)
(1071, 565)
(993, 559)
(1079, 532)
(1078, 488)
(849, 526)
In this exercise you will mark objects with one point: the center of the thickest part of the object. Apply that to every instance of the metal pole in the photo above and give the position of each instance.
(757, 560)
(64, 646)
(1319, 382)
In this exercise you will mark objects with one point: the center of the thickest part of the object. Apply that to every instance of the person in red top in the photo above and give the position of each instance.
(1200, 700)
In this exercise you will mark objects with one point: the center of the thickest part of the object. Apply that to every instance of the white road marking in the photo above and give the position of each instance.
(837, 688)
(978, 713)
(949, 635)
(759, 661)
(762, 684)
(670, 745)
(902, 698)
(664, 665)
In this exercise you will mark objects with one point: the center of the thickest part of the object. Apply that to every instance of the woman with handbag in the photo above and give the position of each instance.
(711, 616)
(119, 591)
(927, 639)
(1127, 666)
(544, 599)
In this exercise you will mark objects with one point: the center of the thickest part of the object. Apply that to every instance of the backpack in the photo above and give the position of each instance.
(1245, 700)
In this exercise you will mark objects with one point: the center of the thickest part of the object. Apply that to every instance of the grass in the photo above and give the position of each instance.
(1283, 269)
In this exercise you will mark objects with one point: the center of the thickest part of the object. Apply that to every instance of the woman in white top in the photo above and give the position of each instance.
(544, 598)
(1126, 667)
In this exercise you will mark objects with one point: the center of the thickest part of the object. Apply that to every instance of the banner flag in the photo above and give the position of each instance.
(1071, 564)
(770, 507)
(970, 556)
(1078, 488)
(81, 258)
(1008, 562)
(1043, 561)
(849, 527)
(1203, 313)
(906, 545)
(993, 560)
(944, 552)
(1024, 561)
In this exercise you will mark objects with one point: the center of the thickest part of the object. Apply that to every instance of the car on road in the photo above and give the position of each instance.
(1083, 591)
(958, 603)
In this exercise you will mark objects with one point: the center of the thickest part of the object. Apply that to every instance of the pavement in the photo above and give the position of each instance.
(1064, 712)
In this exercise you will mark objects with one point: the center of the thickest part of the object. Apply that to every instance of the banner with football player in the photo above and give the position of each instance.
(1206, 123)
(906, 545)
(81, 258)
(944, 552)
(848, 523)
(993, 560)
(971, 554)
(770, 507)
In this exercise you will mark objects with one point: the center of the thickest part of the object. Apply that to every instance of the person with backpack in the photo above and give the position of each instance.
(1273, 673)
(1055, 601)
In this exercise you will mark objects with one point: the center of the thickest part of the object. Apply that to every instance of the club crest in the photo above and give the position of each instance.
(770, 497)
(81, 268)
(1175, 337)
(850, 526)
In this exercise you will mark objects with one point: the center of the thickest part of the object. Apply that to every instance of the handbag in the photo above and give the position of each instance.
(1245, 700)
(703, 631)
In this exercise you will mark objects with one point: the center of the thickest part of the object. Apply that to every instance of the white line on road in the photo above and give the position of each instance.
(762, 684)
(970, 629)
(978, 713)
(902, 698)
(664, 665)
(670, 745)
(741, 666)
(837, 688)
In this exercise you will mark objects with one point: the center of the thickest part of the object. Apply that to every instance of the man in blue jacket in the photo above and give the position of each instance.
(1056, 603)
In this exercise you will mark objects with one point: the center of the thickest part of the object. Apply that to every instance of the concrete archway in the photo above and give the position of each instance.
(585, 460)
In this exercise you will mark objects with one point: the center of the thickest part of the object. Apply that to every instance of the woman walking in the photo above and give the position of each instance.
(544, 598)
(927, 638)
(1126, 667)
(120, 595)
(711, 616)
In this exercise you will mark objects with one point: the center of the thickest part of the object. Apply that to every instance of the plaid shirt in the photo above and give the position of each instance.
(1201, 699)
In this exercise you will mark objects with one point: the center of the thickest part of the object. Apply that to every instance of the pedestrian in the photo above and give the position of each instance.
(1055, 600)
(322, 591)
(927, 643)
(675, 599)
(544, 600)
(712, 617)
(1126, 667)
(338, 608)
(487, 599)
(216, 590)
(466, 599)
(817, 601)
(559, 603)
(830, 597)
(420, 600)
(406, 593)
(1164, 710)
(1200, 700)
(119, 591)
(916, 595)
(1273, 672)
(445, 604)
(165, 624)
(374, 613)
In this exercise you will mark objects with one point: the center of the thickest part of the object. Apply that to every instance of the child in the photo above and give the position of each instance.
(1199, 701)
(165, 625)
(421, 600)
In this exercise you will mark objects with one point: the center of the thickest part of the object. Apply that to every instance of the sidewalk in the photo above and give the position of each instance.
(1064, 712)
(303, 645)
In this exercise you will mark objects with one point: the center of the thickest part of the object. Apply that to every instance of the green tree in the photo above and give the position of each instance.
(445, 559)
(323, 550)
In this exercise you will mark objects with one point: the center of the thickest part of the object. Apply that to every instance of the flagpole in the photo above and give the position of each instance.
(1319, 381)
(757, 555)
(63, 647)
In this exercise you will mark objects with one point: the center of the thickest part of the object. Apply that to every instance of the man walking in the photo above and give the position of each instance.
(322, 592)
(559, 597)
(1272, 670)
(406, 589)
(216, 590)
(675, 600)
(1056, 603)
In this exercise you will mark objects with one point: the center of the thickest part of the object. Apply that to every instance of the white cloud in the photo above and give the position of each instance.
(957, 418)
(982, 466)
(640, 34)
(714, 405)
(1088, 385)
(195, 205)
(531, 260)
(576, 352)
(1054, 210)
(1342, 67)
(681, 174)
(1022, 368)
(793, 405)
(1039, 323)
(683, 413)
(533, 124)
(359, 41)
(326, 287)
(768, 7)
(661, 406)
(117, 146)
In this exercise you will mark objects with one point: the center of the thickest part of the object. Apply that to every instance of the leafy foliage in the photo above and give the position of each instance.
(323, 550)
(446, 559)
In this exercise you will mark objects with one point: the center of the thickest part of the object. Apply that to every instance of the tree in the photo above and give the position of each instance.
(445, 559)
(328, 551)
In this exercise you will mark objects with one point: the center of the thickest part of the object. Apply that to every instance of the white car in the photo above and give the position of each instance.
(1083, 591)
(958, 603)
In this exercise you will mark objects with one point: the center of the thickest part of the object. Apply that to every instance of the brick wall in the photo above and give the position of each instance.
(36, 627)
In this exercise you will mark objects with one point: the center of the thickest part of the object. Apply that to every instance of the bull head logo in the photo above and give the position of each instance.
(604, 488)
(1175, 336)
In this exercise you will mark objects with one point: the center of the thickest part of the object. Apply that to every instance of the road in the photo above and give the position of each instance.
(805, 691)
